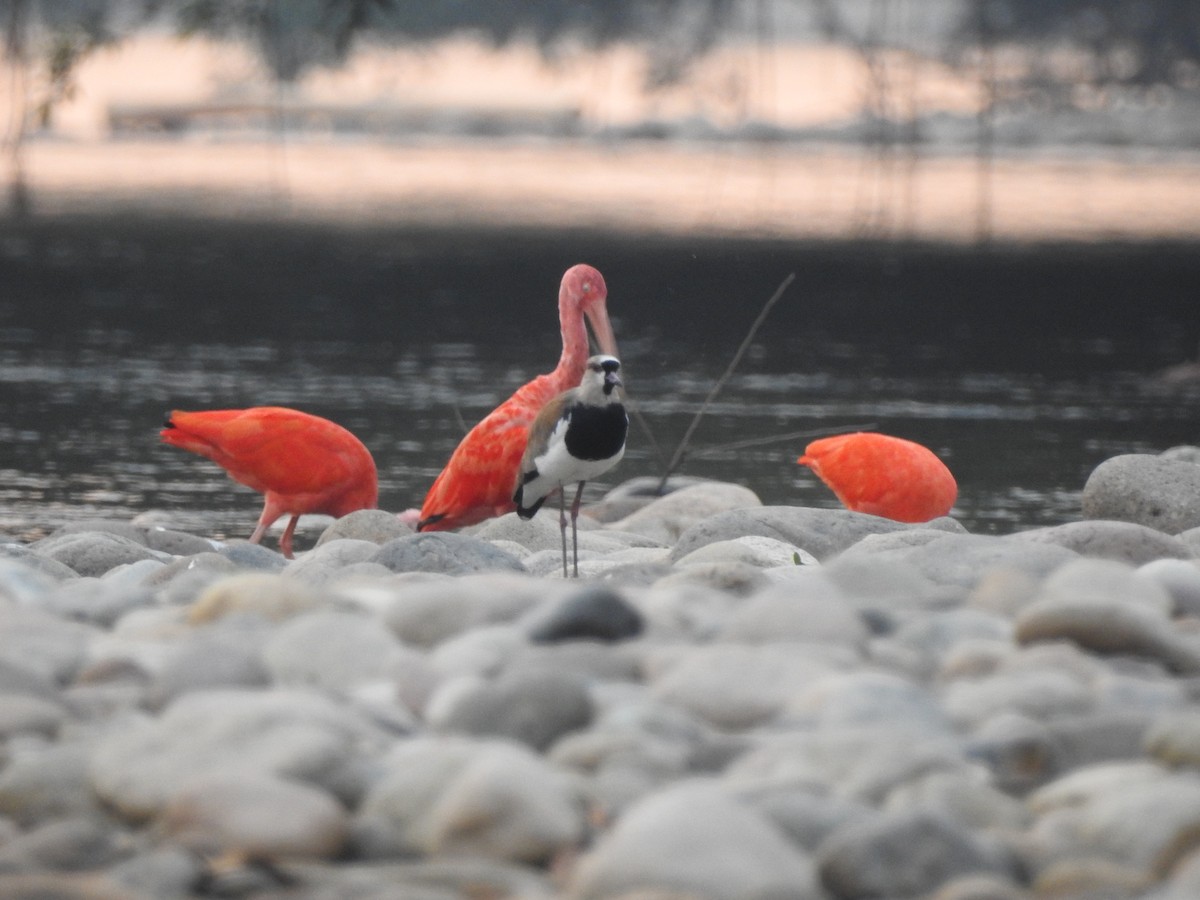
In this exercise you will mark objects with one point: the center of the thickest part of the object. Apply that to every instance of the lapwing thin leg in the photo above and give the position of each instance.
(562, 524)
(574, 531)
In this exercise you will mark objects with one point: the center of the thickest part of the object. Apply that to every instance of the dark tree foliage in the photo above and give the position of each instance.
(295, 34)
(1130, 42)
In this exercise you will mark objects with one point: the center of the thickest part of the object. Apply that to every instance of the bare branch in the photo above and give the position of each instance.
(681, 450)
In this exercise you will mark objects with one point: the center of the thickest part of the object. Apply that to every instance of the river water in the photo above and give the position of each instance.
(1023, 367)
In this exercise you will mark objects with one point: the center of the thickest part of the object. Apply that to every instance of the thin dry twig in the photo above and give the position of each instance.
(681, 450)
(776, 438)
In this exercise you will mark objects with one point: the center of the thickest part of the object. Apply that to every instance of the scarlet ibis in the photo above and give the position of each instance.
(301, 462)
(577, 436)
(883, 475)
(477, 482)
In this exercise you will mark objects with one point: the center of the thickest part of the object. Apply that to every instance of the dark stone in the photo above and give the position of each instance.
(596, 612)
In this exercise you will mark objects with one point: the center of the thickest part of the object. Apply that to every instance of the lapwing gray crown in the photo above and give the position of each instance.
(578, 436)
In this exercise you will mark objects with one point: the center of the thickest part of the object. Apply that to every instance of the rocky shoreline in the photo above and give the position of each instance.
(734, 701)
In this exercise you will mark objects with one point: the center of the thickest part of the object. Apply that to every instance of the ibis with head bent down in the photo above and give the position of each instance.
(301, 462)
(883, 475)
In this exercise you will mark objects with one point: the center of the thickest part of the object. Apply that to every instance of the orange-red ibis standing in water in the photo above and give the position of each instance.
(579, 435)
(477, 482)
(883, 475)
(301, 462)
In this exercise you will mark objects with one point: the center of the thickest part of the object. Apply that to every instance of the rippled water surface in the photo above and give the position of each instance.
(1022, 369)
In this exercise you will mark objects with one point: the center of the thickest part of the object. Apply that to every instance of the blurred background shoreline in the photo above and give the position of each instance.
(827, 192)
(792, 139)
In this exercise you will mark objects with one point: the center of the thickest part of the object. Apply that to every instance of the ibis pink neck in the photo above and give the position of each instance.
(574, 337)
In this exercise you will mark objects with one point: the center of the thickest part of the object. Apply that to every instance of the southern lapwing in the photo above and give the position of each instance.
(577, 436)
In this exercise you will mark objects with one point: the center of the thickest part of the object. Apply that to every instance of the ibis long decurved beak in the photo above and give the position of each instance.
(597, 318)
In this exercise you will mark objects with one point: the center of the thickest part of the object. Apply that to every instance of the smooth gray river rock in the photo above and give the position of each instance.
(593, 612)
(753, 550)
(298, 734)
(23, 583)
(905, 855)
(51, 647)
(821, 532)
(1122, 541)
(960, 560)
(155, 537)
(1160, 493)
(454, 797)
(530, 706)
(695, 840)
(1181, 579)
(798, 610)
(92, 552)
(375, 526)
(331, 650)
(41, 784)
(445, 552)
(667, 518)
(427, 612)
(97, 601)
(1137, 817)
(270, 596)
(330, 560)
(225, 654)
(256, 815)
(1174, 738)
(30, 560)
(1087, 605)
(70, 844)
(734, 686)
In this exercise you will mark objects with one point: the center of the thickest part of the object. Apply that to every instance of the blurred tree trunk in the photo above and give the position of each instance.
(17, 54)
(986, 128)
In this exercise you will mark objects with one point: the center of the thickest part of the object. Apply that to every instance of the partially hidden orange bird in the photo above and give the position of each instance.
(301, 462)
(477, 482)
(883, 475)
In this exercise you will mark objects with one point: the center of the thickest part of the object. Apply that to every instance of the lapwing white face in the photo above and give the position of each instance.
(601, 380)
